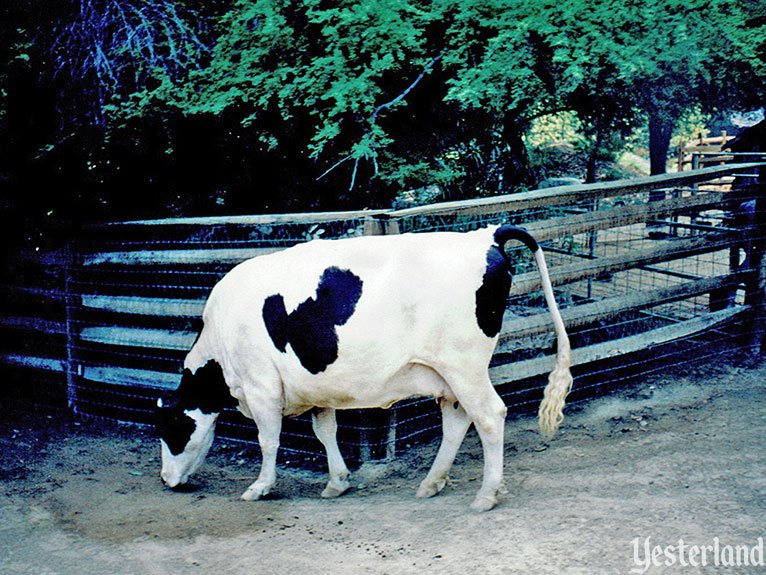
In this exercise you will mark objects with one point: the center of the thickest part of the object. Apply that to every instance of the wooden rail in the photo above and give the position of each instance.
(559, 195)
(616, 348)
(515, 328)
(661, 252)
(175, 257)
(687, 150)
(155, 306)
(564, 226)
(572, 194)
(259, 220)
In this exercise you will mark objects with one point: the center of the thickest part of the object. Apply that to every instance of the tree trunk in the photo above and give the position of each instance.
(660, 131)
(659, 143)
(594, 149)
(517, 168)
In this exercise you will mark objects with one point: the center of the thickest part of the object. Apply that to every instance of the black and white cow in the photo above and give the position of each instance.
(358, 323)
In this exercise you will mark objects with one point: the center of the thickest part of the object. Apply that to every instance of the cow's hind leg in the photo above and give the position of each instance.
(489, 420)
(269, 428)
(326, 428)
(487, 412)
(455, 424)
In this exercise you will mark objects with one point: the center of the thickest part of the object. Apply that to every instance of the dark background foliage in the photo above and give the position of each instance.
(119, 109)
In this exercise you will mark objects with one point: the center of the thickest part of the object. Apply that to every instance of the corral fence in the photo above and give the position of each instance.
(696, 154)
(103, 323)
(712, 151)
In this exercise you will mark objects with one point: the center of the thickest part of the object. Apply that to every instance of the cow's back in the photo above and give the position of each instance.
(340, 320)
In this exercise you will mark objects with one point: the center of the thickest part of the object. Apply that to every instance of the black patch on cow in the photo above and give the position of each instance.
(310, 328)
(175, 428)
(275, 318)
(493, 292)
(206, 390)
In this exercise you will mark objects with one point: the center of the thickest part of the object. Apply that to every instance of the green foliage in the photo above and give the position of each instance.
(559, 127)
(372, 97)
(339, 76)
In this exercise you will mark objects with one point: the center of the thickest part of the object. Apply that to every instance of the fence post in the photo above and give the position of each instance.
(373, 226)
(680, 166)
(756, 288)
(70, 301)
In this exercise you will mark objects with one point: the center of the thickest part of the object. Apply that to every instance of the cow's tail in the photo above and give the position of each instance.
(559, 385)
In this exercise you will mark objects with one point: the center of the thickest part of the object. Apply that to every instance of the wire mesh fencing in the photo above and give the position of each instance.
(648, 273)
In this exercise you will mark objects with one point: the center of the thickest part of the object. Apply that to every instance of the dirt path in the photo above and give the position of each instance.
(680, 458)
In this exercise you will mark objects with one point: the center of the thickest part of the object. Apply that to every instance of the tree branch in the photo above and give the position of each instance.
(403, 95)
(335, 165)
(373, 117)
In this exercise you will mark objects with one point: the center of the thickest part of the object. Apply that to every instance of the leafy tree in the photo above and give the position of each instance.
(690, 54)
(619, 64)
(256, 105)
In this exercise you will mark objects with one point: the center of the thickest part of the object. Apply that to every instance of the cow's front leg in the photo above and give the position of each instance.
(455, 424)
(269, 428)
(326, 429)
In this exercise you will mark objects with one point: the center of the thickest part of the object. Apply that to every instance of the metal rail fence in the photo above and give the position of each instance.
(103, 324)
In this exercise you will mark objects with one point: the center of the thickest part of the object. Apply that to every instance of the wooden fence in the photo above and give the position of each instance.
(692, 155)
(103, 323)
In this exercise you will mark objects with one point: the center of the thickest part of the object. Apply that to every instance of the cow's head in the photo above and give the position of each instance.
(186, 421)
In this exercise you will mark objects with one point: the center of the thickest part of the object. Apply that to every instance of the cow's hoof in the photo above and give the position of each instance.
(254, 493)
(429, 488)
(484, 502)
(335, 489)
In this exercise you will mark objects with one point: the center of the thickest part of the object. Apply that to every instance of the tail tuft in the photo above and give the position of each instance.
(550, 414)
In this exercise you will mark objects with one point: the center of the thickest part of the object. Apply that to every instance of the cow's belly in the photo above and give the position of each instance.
(412, 379)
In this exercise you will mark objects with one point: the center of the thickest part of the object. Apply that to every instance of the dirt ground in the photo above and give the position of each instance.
(679, 457)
